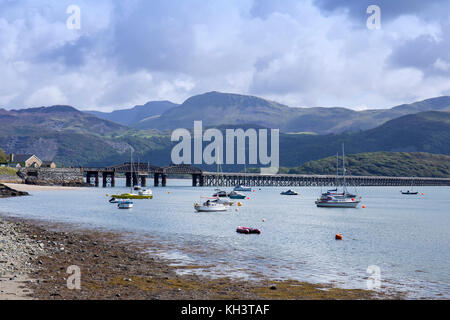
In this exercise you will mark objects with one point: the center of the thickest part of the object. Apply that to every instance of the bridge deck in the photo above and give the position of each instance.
(233, 179)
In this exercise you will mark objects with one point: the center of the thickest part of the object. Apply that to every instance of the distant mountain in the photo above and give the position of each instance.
(60, 133)
(132, 117)
(71, 137)
(414, 164)
(54, 118)
(421, 132)
(215, 109)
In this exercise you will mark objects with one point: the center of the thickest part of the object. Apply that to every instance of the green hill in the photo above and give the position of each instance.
(415, 164)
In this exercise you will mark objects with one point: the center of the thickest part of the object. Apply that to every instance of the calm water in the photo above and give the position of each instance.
(406, 236)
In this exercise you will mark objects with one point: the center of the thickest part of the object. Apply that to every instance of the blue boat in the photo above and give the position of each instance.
(241, 188)
(290, 192)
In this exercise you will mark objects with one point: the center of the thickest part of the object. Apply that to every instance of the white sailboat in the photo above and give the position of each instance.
(334, 199)
(211, 205)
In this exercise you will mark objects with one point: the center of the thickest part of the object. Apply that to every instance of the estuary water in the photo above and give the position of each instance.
(407, 237)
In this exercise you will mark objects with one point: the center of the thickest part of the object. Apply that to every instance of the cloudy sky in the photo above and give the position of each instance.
(301, 53)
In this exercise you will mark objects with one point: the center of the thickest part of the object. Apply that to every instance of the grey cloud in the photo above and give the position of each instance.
(390, 9)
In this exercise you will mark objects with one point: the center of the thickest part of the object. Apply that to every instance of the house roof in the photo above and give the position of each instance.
(22, 157)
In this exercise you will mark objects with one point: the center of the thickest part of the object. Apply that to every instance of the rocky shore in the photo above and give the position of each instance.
(6, 192)
(113, 268)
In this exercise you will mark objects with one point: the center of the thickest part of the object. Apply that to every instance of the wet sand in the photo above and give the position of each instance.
(114, 267)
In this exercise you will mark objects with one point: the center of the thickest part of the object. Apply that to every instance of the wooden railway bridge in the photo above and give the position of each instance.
(281, 180)
(140, 172)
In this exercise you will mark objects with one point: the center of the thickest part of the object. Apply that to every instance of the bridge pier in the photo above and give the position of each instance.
(90, 175)
(143, 180)
(128, 179)
(111, 177)
(156, 179)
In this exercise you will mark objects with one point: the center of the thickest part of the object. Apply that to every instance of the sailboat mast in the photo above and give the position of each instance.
(337, 169)
(131, 176)
(343, 169)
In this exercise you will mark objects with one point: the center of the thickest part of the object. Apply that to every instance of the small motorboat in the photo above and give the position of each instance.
(133, 196)
(145, 192)
(236, 195)
(410, 192)
(125, 204)
(290, 192)
(246, 230)
(113, 200)
(210, 206)
(242, 189)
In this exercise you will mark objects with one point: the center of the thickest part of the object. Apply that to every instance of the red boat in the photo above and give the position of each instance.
(246, 230)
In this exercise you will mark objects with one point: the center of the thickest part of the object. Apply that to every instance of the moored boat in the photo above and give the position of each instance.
(242, 189)
(246, 230)
(290, 192)
(125, 204)
(210, 206)
(236, 195)
(328, 201)
(335, 199)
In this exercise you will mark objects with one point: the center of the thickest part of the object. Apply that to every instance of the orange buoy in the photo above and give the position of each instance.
(423, 194)
(248, 198)
(339, 236)
(239, 204)
(363, 207)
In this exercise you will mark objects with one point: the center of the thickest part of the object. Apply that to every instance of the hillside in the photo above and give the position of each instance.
(132, 117)
(73, 138)
(216, 108)
(422, 132)
(416, 164)
(54, 118)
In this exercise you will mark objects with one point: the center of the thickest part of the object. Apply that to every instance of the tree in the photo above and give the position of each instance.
(3, 156)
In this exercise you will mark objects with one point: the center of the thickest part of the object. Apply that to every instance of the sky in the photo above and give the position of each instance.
(116, 54)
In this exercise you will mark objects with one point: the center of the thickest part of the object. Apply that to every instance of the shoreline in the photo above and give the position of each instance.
(114, 267)
(31, 187)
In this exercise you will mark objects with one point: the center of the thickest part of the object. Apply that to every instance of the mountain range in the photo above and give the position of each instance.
(134, 116)
(216, 108)
(72, 137)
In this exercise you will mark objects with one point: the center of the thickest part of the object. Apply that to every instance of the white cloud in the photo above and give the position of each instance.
(128, 53)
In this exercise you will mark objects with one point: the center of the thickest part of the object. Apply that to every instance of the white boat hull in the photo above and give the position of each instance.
(337, 204)
(125, 206)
